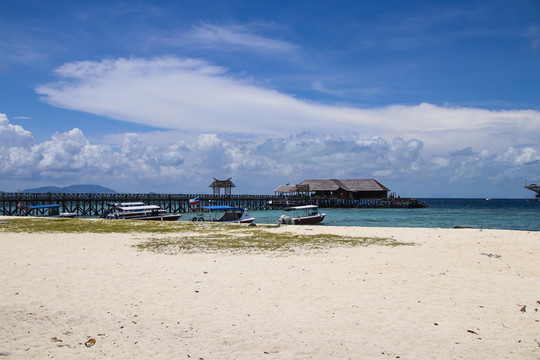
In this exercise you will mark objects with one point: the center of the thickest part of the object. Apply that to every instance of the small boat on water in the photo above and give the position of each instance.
(52, 210)
(228, 214)
(301, 215)
(139, 211)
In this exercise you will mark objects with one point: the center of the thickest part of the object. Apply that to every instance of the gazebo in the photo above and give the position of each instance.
(226, 185)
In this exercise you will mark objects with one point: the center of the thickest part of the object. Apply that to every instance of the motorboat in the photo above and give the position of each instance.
(301, 215)
(52, 210)
(227, 214)
(139, 211)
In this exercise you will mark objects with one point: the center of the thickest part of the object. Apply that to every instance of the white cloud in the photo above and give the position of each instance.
(526, 155)
(237, 36)
(143, 163)
(13, 135)
(439, 162)
(534, 32)
(215, 124)
(193, 95)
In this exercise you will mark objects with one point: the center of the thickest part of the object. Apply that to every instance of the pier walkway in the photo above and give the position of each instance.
(98, 204)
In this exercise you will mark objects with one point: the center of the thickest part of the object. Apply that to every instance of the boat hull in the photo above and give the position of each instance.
(223, 214)
(67, 215)
(139, 211)
(309, 220)
(154, 218)
(301, 220)
(246, 221)
(243, 221)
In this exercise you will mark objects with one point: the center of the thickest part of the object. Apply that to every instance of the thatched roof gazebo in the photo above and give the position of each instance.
(217, 185)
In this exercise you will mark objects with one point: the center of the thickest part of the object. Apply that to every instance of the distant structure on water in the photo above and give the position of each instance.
(535, 188)
(325, 193)
(345, 189)
(342, 193)
(226, 185)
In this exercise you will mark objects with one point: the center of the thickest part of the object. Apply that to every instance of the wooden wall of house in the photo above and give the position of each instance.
(345, 195)
(364, 195)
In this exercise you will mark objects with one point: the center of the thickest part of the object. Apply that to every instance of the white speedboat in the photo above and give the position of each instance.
(139, 211)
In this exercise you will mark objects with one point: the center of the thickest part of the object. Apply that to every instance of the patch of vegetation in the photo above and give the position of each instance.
(33, 225)
(195, 237)
(256, 241)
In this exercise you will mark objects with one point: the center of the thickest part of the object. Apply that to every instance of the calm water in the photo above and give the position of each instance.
(514, 214)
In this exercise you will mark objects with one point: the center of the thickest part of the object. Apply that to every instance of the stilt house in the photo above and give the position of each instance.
(354, 189)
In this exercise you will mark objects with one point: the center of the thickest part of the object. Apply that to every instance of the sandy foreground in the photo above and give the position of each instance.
(456, 294)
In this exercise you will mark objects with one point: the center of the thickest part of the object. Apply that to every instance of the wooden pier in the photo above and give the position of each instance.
(535, 188)
(95, 205)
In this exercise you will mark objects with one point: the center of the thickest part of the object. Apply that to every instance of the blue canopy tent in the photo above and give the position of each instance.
(53, 209)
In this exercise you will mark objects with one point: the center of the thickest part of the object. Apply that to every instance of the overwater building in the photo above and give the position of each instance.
(352, 189)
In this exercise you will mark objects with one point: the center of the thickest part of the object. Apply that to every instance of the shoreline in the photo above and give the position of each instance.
(321, 226)
(454, 293)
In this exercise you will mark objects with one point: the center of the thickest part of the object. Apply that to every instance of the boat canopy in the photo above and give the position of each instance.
(44, 206)
(221, 208)
(126, 204)
(139, 208)
(304, 207)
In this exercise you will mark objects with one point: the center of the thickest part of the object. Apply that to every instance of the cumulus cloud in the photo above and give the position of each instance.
(194, 95)
(140, 162)
(13, 136)
(526, 155)
(134, 164)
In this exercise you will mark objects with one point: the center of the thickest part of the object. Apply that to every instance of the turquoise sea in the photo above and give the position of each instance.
(512, 214)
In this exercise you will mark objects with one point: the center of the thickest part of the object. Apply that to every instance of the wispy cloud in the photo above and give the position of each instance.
(347, 93)
(534, 33)
(236, 36)
(194, 95)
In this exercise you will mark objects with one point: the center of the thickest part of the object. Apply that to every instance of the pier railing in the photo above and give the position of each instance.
(98, 204)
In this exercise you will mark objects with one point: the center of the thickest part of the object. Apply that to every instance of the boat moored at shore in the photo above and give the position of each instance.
(301, 215)
(227, 214)
(52, 210)
(139, 211)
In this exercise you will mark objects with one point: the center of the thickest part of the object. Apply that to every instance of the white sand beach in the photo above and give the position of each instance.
(455, 294)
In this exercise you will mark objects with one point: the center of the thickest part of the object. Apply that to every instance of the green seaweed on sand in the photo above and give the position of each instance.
(256, 241)
(195, 237)
(54, 225)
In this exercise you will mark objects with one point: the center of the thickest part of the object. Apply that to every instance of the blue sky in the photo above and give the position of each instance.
(433, 99)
